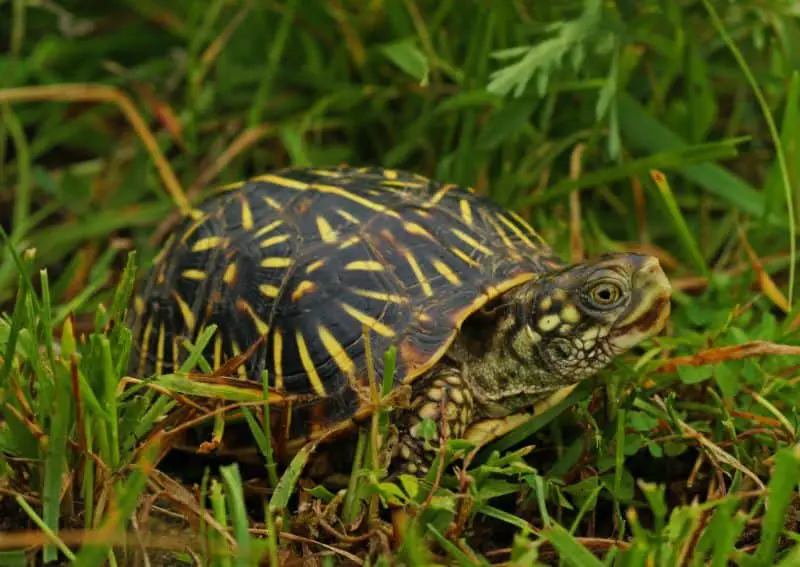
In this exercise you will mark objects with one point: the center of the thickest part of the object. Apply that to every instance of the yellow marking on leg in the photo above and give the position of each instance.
(315, 265)
(276, 262)
(347, 216)
(447, 272)
(337, 351)
(160, 349)
(308, 365)
(230, 274)
(277, 358)
(464, 237)
(546, 303)
(367, 320)
(325, 231)
(466, 211)
(269, 290)
(261, 326)
(192, 274)
(414, 228)
(269, 228)
(186, 311)
(365, 266)
(272, 241)
(465, 257)
(282, 181)
(209, 243)
(423, 281)
(303, 288)
(247, 214)
(380, 295)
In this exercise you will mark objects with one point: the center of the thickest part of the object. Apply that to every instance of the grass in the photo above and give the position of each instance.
(682, 118)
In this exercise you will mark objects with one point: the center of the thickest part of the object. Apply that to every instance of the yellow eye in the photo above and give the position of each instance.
(605, 294)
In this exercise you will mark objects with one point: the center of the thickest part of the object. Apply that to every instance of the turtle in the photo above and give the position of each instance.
(311, 275)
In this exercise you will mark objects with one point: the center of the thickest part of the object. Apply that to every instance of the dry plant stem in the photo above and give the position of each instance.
(575, 238)
(105, 94)
(735, 352)
(714, 452)
(241, 143)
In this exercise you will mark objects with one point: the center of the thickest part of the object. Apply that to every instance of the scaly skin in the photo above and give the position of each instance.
(533, 341)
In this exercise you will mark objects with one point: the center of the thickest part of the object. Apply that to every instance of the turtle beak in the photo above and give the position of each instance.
(650, 308)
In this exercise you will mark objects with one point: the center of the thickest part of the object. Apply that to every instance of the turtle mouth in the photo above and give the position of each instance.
(651, 321)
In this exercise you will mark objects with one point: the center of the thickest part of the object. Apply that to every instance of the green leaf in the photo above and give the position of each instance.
(409, 58)
(694, 374)
(570, 549)
(641, 130)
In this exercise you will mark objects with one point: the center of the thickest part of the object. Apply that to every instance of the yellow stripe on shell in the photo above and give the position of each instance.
(145, 344)
(337, 351)
(466, 238)
(247, 215)
(326, 232)
(268, 228)
(273, 240)
(186, 311)
(447, 272)
(276, 262)
(160, 349)
(282, 181)
(261, 326)
(230, 274)
(466, 211)
(192, 274)
(308, 364)
(367, 320)
(415, 267)
(269, 290)
(277, 357)
(364, 266)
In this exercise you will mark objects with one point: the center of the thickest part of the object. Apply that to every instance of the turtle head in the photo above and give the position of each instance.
(580, 317)
(567, 325)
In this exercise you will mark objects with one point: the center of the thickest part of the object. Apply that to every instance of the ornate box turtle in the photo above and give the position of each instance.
(487, 322)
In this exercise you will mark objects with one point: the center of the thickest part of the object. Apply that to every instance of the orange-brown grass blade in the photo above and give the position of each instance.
(78, 92)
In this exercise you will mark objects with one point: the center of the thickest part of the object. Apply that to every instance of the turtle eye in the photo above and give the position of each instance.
(605, 294)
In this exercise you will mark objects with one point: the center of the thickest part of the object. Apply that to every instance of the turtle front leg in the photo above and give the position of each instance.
(446, 400)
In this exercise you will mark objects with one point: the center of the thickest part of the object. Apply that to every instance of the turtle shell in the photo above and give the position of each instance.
(293, 267)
